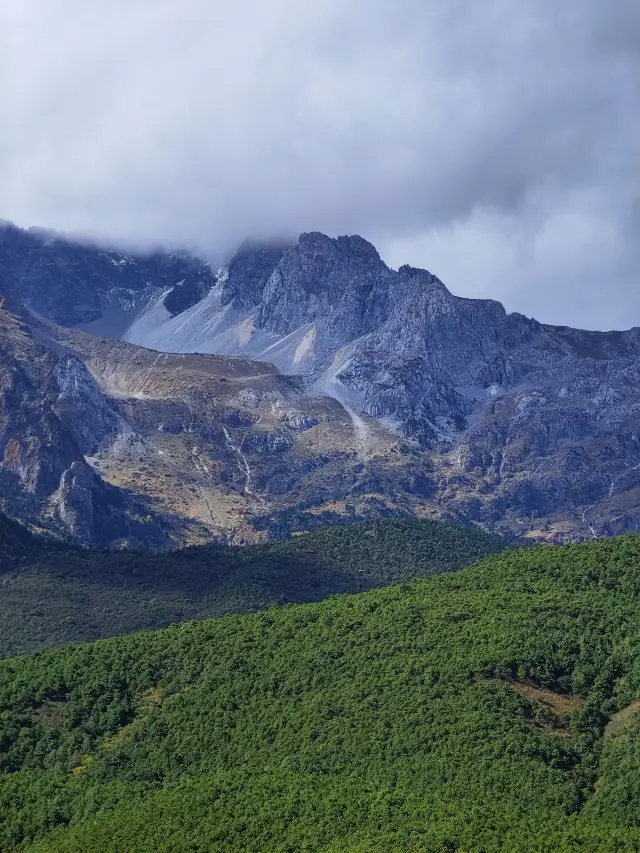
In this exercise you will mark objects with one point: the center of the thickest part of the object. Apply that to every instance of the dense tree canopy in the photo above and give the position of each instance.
(491, 710)
(51, 593)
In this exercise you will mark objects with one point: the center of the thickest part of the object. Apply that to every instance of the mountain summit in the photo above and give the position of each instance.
(394, 345)
(300, 380)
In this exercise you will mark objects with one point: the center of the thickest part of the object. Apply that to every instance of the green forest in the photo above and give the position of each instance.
(51, 593)
(494, 709)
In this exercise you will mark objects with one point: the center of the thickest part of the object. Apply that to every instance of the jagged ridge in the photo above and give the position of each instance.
(511, 423)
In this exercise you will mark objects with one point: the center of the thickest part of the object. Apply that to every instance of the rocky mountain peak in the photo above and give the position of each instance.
(249, 272)
(346, 246)
(496, 413)
(421, 278)
(342, 283)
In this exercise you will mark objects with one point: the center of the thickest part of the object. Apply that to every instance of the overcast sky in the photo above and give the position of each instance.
(495, 143)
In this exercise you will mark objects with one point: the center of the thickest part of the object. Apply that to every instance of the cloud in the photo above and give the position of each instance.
(496, 144)
(564, 260)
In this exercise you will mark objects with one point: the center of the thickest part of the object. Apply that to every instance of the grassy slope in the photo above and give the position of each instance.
(52, 594)
(463, 712)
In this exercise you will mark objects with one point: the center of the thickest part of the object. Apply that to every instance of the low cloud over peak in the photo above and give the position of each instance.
(496, 144)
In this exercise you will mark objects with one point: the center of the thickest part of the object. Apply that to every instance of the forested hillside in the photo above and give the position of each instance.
(51, 593)
(491, 710)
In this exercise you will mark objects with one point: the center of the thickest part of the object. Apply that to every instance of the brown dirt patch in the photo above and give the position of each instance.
(12, 454)
(558, 703)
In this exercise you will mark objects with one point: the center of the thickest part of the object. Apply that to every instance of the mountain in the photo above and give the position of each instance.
(77, 283)
(311, 380)
(488, 711)
(52, 414)
(112, 445)
(52, 593)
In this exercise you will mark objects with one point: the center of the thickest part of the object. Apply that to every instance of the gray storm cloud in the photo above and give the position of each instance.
(495, 143)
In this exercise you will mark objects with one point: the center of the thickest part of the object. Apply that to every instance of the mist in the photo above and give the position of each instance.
(495, 144)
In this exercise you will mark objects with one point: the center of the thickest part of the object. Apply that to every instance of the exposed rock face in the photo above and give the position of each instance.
(526, 413)
(218, 445)
(342, 285)
(35, 447)
(73, 282)
(249, 271)
(81, 406)
(74, 501)
(188, 292)
(52, 413)
(275, 441)
(414, 399)
(299, 421)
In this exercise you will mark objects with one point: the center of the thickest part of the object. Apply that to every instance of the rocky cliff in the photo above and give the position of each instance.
(52, 416)
(78, 283)
(397, 395)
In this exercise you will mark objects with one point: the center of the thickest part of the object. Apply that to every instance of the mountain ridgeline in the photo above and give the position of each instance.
(487, 711)
(52, 593)
(150, 401)
(74, 281)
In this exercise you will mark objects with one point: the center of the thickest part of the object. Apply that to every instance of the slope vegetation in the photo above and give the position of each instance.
(51, 593)
(463, 712)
